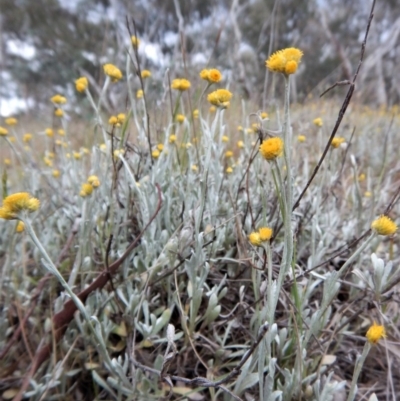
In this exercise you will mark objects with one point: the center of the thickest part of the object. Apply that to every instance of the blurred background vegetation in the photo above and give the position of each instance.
(46, 44)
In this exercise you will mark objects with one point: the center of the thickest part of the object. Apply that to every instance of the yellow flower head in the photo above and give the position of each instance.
(255, 239)
(47, 161)
(240, 128)
(56, 173)
(155, 153)
(135, 41)
(94, 181)
(220, 98)
(213, 109)
(196, 113)
(180, 118)
(255, 127)
(145, 74)
(264, 115)
(375, 333)
(27, 137)
(172, 138)
(301, 138)
(20, 227)
(77, 155)
(121, 117)
(58, 99)
(15, 203)
(113, 120)
(86, 190)
(58, 112)
(11, 121)
(139, 94)
(361, 177)
(225, 138)
(113, 72)
(228, 154)
(265, 233)
(194, 168)
(7, 162)
(49, 132)
(229, 170)
(160, 147)
(271, 148)
(337, 141)
(3, 131)
(318, 122)
(384, 225)
(212, 76)
(285, 61)
(180, 84)
(81, 84)
(240, 144)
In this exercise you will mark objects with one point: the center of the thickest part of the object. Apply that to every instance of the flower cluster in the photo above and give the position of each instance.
(285, 61)
(117, 120)
(16, 203)
(113, 72)
(263, 234)
(81, 84)
(180, 84)
(58, 99)
(220, 98)
(212, 76)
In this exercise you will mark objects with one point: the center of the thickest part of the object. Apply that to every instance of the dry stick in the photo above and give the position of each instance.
(64, 317)
(342, 109)
(139, 74)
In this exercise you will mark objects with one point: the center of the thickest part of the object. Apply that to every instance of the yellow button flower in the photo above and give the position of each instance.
(318, 122)
(265, 233)
(94, 181)
(180, 118)
(212, 76)
(113, 72)
(384, 226)
(58, 99)
(145, 74)
(49, 132)
(86, 190)
(337, 141)
(27, 137)
(255, 239)
(375, 333)
(271, 148)
(11, 121)
(220, 98)
(285, 61)
(81, 84)
(135, 41)
(15, 203)
(180, 84)
(58, 112)
(3, 131)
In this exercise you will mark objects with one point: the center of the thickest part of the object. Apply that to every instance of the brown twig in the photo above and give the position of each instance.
(342, 110)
